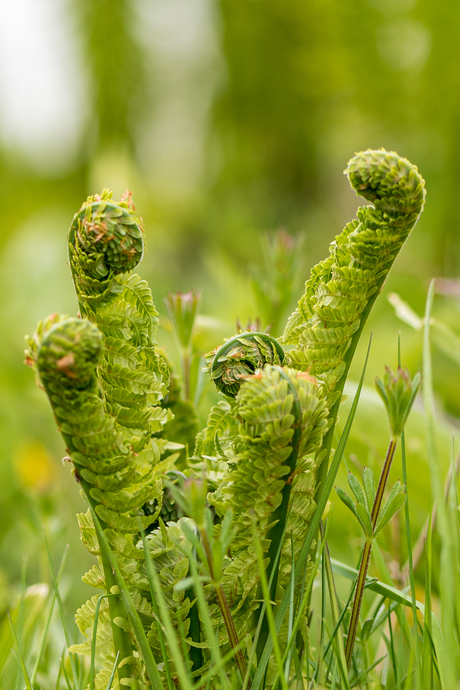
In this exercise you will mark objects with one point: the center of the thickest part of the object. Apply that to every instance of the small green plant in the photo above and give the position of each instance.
(398, 394)
(199, 561)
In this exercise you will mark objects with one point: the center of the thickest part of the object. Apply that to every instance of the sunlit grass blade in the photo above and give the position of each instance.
(114, 670)
(261, 619)
(341, 668)
(335, 616)
(268, 609)
(313, 527)
(73, 664)
(410, 560)
(392, 650)
(291, 612)
(94, 639)
(300, 615)
(448, 569)
(44, 635)
(58, 677)
(427, 664)
(386, 578)
(338, 625)
(362, 677)
(224, 660)
(395, 595)
(149, 661)
(210, 633)
(19, 655)
(66, 677)
(157, 603)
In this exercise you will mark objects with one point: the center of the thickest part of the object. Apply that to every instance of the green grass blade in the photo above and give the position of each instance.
(114, 670)
(268, 609)
(133, 616)
(66, 677)
(19, 655)
(61, 609)
(93, 641)
(206, 677)
(427, 663)
(301, 610)
(386, 578)
(44, 635)
(335, 616)
(394, 594)
(58, 679)
(151, 574)
(410, 560)
(313, 528)
(448, 575)
(210, 633)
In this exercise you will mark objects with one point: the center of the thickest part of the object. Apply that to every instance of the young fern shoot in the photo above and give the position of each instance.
(263, 454)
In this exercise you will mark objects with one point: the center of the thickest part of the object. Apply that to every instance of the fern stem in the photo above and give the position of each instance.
(364, 565)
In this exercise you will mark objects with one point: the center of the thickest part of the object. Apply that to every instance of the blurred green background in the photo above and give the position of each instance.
(227, 120)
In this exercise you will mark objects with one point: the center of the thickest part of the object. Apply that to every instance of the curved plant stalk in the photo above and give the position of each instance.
(325, 328)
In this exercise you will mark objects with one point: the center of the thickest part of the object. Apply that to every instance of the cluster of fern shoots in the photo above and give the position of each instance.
(235, 513)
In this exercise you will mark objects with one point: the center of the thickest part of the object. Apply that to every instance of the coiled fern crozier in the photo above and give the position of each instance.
(265, 448)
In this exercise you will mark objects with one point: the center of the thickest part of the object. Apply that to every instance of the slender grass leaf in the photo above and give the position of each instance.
(448, 577)
(427, 664)
(44, 636)
(61, 608)
(149, 661)
(19, 655)
(114, 670)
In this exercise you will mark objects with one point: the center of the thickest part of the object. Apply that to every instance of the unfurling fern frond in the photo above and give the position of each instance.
(105, 244)
(67, 359)
(239, 357)
(342, 288)
(282, 417)
(325, 328)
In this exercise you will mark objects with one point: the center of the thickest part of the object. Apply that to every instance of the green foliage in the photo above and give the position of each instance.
(248, 494)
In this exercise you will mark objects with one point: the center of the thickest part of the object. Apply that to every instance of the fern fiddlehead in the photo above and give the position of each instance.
(105, 244)
(326, 326)
(239, 357)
